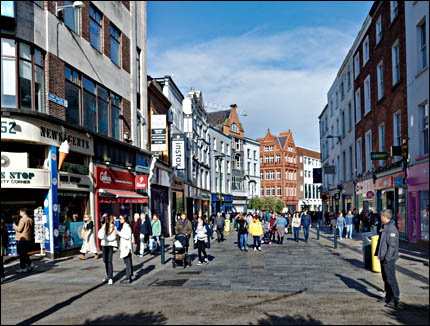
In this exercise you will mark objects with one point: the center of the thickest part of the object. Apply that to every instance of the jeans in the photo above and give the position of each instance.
(296, 233)
(128, 266)
(257, 242)
(219, 234)
(392, 291)
(201, 246)
(244, 241)
(107, 258)
(340, 227)
(24, 258)
(306, 232)
(349, 231)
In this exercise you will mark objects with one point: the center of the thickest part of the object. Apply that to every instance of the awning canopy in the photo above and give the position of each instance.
(123, 197)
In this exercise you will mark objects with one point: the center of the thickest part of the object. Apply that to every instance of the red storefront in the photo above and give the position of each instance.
(115, 193)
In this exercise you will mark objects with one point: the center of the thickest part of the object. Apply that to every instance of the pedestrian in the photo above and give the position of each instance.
(236, 228)
(4, 244)
(349, 221)
(296, 224)
(89, 240)
(219, 224)
(156, 228)
(243, 228)
(107, 236)
(340, 224)
(201, 239)
(356, 220)
(24, 232)
(281, 223)
(256, 231)
(272, 221)
(126, 247)
(135, 224)
(333, 223)
(184, 226)
(306, 223)
(145, 232)
(388, 253)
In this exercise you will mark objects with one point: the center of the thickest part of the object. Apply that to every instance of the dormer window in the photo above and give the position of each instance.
(234, 128)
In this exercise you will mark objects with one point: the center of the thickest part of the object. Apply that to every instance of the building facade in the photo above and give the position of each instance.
(309, 193)
(252, 168)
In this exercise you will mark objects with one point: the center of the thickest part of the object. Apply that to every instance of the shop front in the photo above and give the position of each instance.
(222, 203)
(365, 197)
(160, 190)
(418, 203)
(205, 203)
(348, 196)
(334, 196)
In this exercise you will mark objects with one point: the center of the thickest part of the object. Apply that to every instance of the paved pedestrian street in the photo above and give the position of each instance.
(296, 283)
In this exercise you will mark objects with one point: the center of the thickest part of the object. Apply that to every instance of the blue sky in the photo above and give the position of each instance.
(275, 60)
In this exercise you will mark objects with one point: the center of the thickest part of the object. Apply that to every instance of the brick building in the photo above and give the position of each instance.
(381, 108)
(309, 193)
(279, 168)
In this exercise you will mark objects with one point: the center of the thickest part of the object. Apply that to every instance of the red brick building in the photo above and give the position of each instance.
(381, 106)
(278, 168)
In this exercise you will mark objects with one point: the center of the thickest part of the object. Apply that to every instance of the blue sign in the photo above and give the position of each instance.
(56, 99)
(398, 181)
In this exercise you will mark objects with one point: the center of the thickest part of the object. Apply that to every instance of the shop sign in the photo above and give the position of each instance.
(25, 178)
(158, 133)
(178, 155)
(71, 181)
(34, 130)
(330, 169)
(398, 181)
(114, 179)
(374, 156)
(58, 100)
(206, 196)
(370, 194)
(141, 181)
(387, 182)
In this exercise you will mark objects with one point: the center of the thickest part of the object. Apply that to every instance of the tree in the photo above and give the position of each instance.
(255, 203)
(279, 205)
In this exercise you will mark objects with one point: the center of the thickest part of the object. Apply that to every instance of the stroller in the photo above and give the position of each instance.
(180, 251)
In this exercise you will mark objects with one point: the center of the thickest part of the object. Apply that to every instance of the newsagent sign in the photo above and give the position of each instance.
(25, 178)
(34, 130)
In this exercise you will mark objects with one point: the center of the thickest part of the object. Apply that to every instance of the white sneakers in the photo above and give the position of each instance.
(259, 248)
(110, 282)
(255, 248)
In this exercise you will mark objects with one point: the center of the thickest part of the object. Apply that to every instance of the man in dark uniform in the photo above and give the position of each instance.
(388, 253)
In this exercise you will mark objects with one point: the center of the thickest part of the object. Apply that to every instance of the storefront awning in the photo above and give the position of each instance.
(124, 197)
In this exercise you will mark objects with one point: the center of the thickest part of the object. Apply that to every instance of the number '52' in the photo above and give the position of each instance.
(11, 128)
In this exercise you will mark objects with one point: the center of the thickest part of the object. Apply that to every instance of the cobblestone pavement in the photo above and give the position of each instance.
(296, 283)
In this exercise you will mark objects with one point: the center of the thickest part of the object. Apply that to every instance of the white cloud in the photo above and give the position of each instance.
(279, 80)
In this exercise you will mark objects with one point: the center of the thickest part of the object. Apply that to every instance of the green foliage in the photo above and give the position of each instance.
(266, 204)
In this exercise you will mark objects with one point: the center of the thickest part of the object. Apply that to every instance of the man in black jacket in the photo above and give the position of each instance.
(388, 253)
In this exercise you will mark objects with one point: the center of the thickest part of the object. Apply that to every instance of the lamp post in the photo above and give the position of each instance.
(218, 158)
(76, 4)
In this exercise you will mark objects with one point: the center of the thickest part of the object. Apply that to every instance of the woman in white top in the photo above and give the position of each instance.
(296, 224)
(126, 247)
(107, 235)
(89, 243)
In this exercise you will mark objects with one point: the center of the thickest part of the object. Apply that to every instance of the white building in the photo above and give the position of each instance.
(252, 167)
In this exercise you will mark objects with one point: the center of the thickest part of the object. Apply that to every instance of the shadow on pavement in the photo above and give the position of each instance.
(353, 284)
(355, 262)
(287, 320)
(140, 318)
(408, 314)
(415, 260)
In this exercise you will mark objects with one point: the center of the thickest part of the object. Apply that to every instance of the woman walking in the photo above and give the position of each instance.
(340, 223)
(281, 223)
(89, 244)
(272, 227)
(156, 228)
(243, 228)
(296, 224)
(256, 231)
(349, 220)
(145, 232)
(201, 239)
(107, 236)
(126, 247)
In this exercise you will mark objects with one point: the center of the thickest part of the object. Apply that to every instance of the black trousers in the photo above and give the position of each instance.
(201, 246)
(107, 258)
(24, 258)
(219, 234)
(392, 291)
(137, 245)
(128, 266)
(2, 267)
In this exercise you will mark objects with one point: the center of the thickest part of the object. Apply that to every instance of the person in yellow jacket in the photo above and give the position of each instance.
(257, 232)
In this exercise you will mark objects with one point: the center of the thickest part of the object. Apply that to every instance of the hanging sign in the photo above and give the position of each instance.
(158, 133)
(178, 149)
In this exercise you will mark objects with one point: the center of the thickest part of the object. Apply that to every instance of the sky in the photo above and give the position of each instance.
(275, 60)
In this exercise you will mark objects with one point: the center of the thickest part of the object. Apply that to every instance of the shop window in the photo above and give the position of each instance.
(114, 44)
(73, 95)
(95, 28)
(39, 81)
(116, 112)
(90, 109)
(103, 110)
(424, 111)
(8, 73)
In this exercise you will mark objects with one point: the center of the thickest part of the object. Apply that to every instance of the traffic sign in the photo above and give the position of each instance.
(370, 194)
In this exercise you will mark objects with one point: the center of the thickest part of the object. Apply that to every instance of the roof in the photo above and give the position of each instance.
(281, 140)
(217, 119)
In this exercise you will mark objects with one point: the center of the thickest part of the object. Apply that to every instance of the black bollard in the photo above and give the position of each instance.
(318, 231)
(162, 250)
(335, 238)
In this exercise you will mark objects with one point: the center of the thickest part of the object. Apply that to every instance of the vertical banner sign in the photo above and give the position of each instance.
(51, 206)
(158, 133)
(178, 149)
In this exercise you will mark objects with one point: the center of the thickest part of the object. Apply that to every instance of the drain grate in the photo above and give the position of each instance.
(179, 282)
(90, 268)
(190, 273)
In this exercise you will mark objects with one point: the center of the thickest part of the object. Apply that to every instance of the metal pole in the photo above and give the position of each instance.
(163, 258)
(318, 231)
(220, 185)
(335, 238)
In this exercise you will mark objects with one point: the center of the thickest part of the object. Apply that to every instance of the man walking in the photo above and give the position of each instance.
(24, 232)
(219, 223)
(388, 253)
(306, 223)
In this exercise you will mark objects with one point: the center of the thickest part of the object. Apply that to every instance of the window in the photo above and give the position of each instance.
(267, 175)
(249, 153)
(116, 111)
(301, 173)
(278, 175)
(337, 99)
(422, 47)
(343, 123)
(222, 147)
(279, 191)
(424, 111)
(228, 149)
(255, 169)
(342, 91)
(366, 50)
(332, 133)
(268, 191)
(262, 191)
(255, 155)
(272, 159)
(228, 167)
(273, 191)
(359, 156)
(40, 3)
(394, 10)
(95, 27)
(396, 63)
(266, 159)
(261, 175)
(73, 96)
(215, 144)
(39, 81)
(380, 79)
(381, 138)
(272, 175)
(301, 159)
(233, 128)
(25, 77)
(351, 168)
(71, 17)
(378, 30)
(350, 116)
(368, 145)
(249, 168)
(278, 159)
(90, 106)
(114, 44)
(357, 65)
(357, 106)
(103, 110)
(331, 108)
(367, 106)
(301, 188)
(397, 130)
(8, 73)
(348, 76)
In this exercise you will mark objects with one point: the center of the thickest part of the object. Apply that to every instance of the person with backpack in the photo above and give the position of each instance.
(281, 224)
(296, 224)
(306, 223)
(256, 231)
(126, 247)
(145, 232)
(243, 228)
(219, 223)
(107, 235)
(201, 239)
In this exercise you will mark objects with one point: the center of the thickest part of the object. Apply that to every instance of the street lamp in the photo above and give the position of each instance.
(76, 4)
(218, 158)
